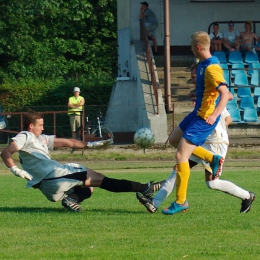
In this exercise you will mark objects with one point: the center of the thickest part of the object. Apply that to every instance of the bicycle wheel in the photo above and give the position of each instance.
(106, 133)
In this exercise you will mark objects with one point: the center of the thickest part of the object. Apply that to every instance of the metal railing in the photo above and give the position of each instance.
(243, 69)
(149, 59)
(53, 113)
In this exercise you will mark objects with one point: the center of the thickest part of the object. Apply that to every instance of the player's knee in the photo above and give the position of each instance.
(181, 157)
(212, 184)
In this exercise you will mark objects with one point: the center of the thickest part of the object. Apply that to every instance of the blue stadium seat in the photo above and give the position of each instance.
(241, 80)
(232, 103)
(258, 104)
(250, 115)
(247, 102)
(253, 68)
(235, 57)
(251, 57)
(221, 56)
(254, 80)
(224, 66)
(237, 68)
(244, 92)
(235, 114)
(256, 92)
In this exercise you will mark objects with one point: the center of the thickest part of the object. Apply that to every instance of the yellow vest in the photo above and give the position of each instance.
(73, 100)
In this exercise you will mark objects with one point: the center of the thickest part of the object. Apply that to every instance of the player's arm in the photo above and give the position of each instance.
(7, 154)
(230, 96)
(224, 97)
(9, 162)
(228, 120)
(74, 143)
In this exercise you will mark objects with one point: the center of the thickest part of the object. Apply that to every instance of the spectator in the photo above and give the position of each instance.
(150, 23)
(231, 38)
(75, 108)
(216, 38)
(247, 39)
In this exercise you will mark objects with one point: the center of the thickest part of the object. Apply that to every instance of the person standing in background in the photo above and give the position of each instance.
(75, 108)
(150, 23)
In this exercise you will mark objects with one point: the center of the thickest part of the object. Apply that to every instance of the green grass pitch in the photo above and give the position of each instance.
(116, 226)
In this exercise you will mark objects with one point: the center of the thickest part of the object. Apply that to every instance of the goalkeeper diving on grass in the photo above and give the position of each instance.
(69, 183)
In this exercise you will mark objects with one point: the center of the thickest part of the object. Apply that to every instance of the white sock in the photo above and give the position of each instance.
(165, 190)
(228, 187)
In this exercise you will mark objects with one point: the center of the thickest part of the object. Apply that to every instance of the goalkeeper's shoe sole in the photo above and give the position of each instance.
(247, 203)
(71, 204)
(147, 202)
(176, 208)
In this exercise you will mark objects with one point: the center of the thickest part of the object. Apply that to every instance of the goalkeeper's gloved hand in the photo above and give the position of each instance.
(21, 173)
(100, 144)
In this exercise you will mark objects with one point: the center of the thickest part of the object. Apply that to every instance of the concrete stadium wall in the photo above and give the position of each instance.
(187, 17)
(132, 101)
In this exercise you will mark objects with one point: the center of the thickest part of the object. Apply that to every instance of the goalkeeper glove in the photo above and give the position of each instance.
(21, 173)
(100, 144)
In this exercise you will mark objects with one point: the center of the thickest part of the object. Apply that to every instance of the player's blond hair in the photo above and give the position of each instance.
(202, 39)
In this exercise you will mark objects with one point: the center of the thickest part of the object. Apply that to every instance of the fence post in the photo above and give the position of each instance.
(173, 116)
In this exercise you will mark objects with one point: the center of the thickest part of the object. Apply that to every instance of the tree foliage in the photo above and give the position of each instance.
(46, 39)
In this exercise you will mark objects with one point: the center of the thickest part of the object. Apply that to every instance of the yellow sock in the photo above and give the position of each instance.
(183, 174)
(203, 154)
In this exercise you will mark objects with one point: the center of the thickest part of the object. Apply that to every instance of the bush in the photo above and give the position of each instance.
(53, 93)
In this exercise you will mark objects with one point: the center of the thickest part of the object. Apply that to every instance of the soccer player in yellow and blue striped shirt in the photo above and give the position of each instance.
(212, 96)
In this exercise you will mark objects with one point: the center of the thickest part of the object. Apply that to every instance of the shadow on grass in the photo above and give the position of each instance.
(30, 210)
(114, 211)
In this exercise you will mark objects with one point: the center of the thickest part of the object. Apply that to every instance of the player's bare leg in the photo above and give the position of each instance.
(175, 137)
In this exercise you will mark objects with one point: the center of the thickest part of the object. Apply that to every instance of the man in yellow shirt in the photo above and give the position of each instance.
(75, 108)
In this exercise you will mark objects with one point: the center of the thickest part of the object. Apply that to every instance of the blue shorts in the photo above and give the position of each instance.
(195, 129)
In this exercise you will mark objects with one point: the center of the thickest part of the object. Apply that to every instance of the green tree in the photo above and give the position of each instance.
(46, 39)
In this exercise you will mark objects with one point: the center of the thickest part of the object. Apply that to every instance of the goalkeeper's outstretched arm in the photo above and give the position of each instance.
(77, 144)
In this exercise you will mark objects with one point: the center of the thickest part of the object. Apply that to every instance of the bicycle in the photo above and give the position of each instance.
(97, 129)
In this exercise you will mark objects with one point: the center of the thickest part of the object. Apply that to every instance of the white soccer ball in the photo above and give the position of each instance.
(144, 137)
